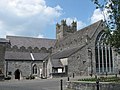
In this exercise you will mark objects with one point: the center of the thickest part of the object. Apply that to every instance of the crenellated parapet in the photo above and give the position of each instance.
(63, 30)
(29, 49)
(74, 26)
(63, 22)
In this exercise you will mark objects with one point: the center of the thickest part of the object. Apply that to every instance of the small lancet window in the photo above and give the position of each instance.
(35, 69)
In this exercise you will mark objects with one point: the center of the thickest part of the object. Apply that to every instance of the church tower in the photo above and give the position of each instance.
(63, 30)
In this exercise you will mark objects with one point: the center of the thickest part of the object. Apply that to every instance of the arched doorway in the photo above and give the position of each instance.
(17, 74)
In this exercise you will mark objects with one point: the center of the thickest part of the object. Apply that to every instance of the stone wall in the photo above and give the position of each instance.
(92, 86)
(78, 63)
(25, 68)
(118, 57)
(49, 68)
(2, 59)
(63, 30)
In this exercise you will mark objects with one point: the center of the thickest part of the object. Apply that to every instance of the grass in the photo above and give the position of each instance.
(102, 79)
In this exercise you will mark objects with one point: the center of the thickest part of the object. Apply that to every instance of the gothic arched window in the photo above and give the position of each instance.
(103, 55)
(35, 69)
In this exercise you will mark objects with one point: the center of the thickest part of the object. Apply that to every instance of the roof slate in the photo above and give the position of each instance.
(31, 42)
(56, 63)
(17, 55)
(65, 53)
(40, 56)
(9, 55)
(89, 30)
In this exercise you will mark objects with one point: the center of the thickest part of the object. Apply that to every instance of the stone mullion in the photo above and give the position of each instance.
(98, 58)
(109, 60)
(106, 58)
(113, 61)
(102, 60)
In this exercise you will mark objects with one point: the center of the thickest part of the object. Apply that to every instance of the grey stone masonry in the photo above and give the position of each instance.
(77, 85)
(25, 68)
(63, 30)
(3, 43)
(2, 59)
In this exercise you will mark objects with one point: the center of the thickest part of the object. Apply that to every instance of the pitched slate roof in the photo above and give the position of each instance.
(40, 56)
(9, 55)
(88, 31)
(17, 55)
(31, 42)
(56, 63)
(66, 53)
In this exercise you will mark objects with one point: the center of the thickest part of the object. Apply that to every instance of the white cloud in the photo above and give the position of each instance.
(97, 15)
(100, 15)
(80, 24)
(40, 36)
(26, 7)
(26, 17)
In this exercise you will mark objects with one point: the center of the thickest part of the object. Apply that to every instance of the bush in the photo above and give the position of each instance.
(88, 79)
(102, 79)
(27, 77)
(30, 77)
(7, 78)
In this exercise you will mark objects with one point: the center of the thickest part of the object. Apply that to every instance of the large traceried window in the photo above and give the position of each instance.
(103, 55)
(35, 69)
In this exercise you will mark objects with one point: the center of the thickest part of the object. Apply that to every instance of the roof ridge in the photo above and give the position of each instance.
(101, 21)
(29, 37)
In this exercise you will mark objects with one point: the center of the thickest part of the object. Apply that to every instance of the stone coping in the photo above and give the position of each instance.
(93, 82)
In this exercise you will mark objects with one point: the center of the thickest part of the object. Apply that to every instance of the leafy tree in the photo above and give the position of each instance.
(111, 13)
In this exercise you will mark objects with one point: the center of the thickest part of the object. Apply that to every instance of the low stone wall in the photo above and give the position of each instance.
(79, 85)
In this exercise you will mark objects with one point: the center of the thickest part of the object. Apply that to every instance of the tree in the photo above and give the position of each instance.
(111, 13)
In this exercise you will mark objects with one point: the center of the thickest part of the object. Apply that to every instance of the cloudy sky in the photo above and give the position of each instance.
(37, 18)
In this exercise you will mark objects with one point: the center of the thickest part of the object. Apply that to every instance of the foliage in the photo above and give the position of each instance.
(7, 78)
(102, 79)
(30, 77)
(112, 20)
(88, 79)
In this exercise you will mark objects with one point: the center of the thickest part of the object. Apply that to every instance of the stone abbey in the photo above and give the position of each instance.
(78, 52)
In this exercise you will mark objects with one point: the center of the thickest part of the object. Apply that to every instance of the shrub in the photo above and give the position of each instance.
(7, 78)
(27, 77)
(102, 79)
(30, 77)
